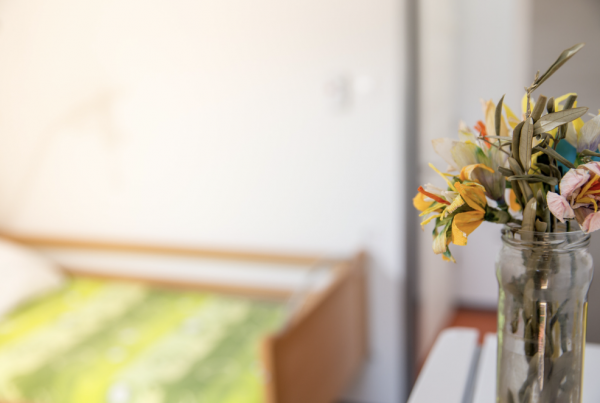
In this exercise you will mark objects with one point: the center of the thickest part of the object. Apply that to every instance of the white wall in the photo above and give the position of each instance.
(213, 123)
(495, 59)
(470, 50)
(438, 39)
(560, 25)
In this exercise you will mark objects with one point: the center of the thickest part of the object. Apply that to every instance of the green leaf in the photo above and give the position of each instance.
(514, 314)
(515, 166)
(535, 179)
(543, 212)
(496, 216)
(549, 170)
(516, 140)
(570, 101)
(550, 105)
(558, 312)
(525, 189)
(555, 155)
(529, 213)
(589, 153)
(540, 226)
(564, 332)
(448, 254)
(501, 138)
(540, 105)
(517, 189)
(541, 199)
(553, 120)
(498, 115)
(529, 346)
(548, 219)
(482, 157)
(505, 171)
(562, 59)
(525, 144)
(559, 380)
(528, 303)
(544, 168)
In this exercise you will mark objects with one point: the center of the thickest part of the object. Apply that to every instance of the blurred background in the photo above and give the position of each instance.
(299, 127)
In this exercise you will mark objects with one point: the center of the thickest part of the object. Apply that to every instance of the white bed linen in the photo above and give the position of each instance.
(24, 274)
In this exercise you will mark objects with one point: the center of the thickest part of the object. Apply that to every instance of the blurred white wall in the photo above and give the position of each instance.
(495, 59)
(470, 50)
(259, 125)
(439, 41)
(559, 25)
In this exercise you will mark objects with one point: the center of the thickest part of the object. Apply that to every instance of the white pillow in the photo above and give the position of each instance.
(24, 274)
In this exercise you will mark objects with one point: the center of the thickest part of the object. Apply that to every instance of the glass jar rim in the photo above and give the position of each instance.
(550, 241)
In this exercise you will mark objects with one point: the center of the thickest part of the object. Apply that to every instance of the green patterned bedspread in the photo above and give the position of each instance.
(115, 342)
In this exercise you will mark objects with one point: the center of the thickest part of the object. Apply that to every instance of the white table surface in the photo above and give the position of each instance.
(459, 371)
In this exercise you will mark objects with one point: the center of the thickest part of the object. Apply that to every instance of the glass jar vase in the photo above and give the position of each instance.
(544, 280)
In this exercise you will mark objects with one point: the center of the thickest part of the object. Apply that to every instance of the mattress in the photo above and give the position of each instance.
(123, 342)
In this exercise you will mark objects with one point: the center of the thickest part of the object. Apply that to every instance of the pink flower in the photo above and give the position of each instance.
(593, 166)
(572, 180)
(579, 197)
(559, 206)
(591, 223)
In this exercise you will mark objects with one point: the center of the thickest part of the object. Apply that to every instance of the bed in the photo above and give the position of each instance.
(108, 337)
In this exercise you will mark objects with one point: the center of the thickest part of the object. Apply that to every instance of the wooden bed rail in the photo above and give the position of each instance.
(130, 247)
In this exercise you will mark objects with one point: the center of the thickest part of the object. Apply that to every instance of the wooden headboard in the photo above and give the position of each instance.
(319, 354)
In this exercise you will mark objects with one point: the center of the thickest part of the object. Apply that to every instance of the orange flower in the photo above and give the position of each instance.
(480, 127)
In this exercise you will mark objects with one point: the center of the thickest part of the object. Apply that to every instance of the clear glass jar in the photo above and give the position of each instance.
(544, 280)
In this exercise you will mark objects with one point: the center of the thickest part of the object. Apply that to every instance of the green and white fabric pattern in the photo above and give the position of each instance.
(117, 342)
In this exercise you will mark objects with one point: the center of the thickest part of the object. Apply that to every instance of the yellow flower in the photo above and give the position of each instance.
(458, 210)
(513, 120)
(466, 172)
(464, 224)
(473, 194)
(420, 203)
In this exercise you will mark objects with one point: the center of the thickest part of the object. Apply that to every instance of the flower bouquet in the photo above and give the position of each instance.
(539, 176)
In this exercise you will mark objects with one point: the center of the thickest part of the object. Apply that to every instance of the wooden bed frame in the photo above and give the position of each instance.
(322, 347)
